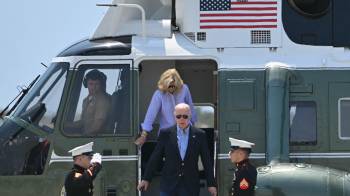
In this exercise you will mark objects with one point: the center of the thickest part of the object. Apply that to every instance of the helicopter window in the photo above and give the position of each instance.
(303, 124)
(205, 116)
(42, 108)
(24, 147)
(39, 107)
(344, 113)
(100, 101)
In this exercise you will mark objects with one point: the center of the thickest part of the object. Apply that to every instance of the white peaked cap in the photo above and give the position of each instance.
(240, 143)
(83, 149)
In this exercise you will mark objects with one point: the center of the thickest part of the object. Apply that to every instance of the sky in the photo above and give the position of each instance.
(33, 32)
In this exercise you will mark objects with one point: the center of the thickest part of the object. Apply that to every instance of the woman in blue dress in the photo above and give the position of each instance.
(171, 91)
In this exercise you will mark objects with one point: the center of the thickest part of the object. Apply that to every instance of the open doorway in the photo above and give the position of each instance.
(200, 76)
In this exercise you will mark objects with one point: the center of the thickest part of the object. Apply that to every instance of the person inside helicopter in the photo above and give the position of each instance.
(96, 106)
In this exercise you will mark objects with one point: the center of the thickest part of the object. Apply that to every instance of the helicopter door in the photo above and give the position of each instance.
(241, 115)
(196, 74)
(100, 108)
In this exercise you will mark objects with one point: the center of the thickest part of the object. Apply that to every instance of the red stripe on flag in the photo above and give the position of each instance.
(240, 14)
(237, 26)
(242, 20)
(254, 8)
(255, 3)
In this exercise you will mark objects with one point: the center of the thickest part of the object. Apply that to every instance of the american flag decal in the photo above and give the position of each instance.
(238, 14)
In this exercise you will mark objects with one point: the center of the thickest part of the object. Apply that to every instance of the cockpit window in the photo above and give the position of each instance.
(100, 101)
(23, 136)
(42, 105)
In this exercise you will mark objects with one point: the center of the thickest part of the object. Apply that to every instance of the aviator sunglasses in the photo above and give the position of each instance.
(184, 116)
(171, 87)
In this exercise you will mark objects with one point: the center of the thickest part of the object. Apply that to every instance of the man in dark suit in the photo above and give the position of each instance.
(180, 145)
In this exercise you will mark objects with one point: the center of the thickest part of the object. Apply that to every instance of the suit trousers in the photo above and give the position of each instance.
(180, 190)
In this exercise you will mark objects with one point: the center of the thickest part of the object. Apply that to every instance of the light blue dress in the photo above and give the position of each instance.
(163, 104)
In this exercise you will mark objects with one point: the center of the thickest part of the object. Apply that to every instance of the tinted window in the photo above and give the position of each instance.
(303, 126)
(24, 146)
(344, 122)
(100, 101)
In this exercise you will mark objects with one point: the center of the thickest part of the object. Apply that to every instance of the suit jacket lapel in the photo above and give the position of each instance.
(191, 137)
(173, 140)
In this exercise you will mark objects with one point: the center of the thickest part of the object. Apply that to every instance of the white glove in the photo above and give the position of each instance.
(96, 158)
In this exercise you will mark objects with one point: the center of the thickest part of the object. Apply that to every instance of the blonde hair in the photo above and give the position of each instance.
(169, 76)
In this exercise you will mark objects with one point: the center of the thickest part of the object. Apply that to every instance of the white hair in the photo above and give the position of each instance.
(183, 106)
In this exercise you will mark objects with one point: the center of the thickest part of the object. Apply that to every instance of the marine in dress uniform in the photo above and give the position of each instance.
(79, 181)
(244, 177)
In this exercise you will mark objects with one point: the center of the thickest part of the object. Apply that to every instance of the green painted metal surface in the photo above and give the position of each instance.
(253, 105)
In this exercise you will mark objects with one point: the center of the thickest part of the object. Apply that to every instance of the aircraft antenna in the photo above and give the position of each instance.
(43, 64)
